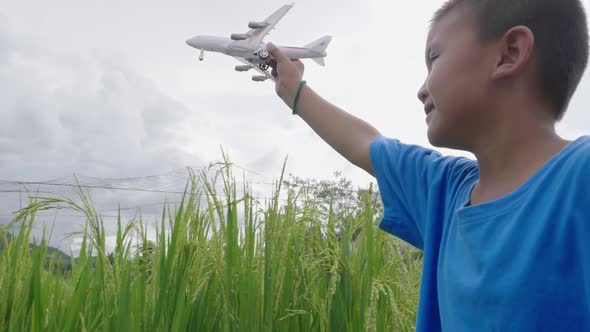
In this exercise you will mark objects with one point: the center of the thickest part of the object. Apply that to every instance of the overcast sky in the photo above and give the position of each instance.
(110, 89)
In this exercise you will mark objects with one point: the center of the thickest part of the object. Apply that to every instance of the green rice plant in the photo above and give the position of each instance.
(222, 263)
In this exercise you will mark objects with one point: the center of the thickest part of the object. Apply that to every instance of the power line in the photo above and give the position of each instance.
(24, 183)
(165, 202)
(91, 187)
(161, 202)
(188, 193)
(176, 171)
(25, 191)
(158, 189)
(139, 207)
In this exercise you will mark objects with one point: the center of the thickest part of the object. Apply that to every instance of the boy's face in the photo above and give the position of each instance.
(455, 92)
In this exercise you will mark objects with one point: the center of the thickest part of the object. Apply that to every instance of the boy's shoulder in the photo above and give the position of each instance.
(569, 168)
(576, 154)
(574, 159)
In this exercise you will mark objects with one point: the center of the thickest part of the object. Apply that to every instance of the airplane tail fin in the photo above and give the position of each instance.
(320, 45)
(319, 61)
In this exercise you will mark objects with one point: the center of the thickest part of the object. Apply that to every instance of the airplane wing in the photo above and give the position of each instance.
(257, 35)
(255, 67)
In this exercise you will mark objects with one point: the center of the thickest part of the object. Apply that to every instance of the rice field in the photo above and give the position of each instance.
(218, 262)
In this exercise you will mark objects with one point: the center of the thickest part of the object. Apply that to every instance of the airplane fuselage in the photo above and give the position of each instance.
(250, 49)
(238, 48)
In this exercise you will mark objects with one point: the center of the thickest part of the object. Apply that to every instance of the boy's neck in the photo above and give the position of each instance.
(509, 157)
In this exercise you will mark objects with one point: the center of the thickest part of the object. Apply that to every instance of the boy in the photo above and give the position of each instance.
(506, 238)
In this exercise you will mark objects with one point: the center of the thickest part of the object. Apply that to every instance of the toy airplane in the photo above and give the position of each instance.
(249, 48)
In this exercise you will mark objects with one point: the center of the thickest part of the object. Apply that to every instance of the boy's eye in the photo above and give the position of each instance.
(433, 57)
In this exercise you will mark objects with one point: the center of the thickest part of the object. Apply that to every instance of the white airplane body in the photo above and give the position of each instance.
(249, 48)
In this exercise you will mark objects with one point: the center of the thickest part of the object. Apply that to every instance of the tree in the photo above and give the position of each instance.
(337, 193)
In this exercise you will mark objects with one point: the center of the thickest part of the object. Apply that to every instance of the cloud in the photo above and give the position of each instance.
(65, 113)
(89, 115)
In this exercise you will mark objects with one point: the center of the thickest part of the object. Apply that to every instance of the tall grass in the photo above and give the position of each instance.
(280, 266)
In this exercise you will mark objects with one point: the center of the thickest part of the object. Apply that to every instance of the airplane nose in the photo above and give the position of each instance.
(192, 42)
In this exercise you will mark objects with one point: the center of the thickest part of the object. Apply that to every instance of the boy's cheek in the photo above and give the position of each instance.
(433, 87)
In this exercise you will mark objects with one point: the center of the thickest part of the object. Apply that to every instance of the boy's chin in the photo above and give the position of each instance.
(440, 138)
(434, 136)
(437, 137)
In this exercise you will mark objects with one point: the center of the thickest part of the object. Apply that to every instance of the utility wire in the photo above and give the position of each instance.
(88, 186)
(161, 188)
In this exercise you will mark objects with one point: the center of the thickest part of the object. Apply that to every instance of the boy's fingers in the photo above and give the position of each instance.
(276, 53)
(299, 64)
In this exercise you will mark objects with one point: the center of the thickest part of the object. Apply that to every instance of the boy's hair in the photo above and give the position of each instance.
(561, 38)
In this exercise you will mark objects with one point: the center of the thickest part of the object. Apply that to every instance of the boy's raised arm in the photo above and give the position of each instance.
(347, 134)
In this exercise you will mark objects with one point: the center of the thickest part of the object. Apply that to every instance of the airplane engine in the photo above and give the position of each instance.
(257, 25)
(239, 36)
(259, 78)
(243, 68)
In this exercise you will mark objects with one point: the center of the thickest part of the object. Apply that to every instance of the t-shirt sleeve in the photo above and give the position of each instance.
(415, 183)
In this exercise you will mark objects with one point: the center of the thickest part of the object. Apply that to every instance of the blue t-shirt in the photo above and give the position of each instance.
(518, 263)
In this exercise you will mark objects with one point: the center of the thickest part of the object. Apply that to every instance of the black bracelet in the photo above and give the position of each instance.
(297, 96)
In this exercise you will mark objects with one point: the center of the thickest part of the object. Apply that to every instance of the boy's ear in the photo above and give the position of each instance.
(515, 51)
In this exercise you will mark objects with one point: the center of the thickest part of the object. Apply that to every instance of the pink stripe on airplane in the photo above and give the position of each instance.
(297, 48)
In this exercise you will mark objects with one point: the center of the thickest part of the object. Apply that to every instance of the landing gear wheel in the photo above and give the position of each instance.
(263, 54)
(263, 66)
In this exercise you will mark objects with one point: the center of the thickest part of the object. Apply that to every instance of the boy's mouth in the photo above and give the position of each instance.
(428, 108)
(428, 116)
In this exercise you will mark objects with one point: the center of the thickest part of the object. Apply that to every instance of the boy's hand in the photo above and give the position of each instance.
(286, 72)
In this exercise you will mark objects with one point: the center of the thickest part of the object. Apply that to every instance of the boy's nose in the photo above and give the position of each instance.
(423, 93)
